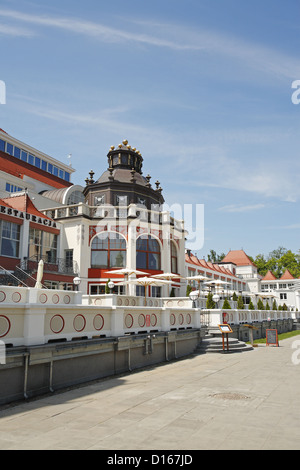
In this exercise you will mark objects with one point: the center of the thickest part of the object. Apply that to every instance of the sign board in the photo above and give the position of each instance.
(225, 328)
(272, 337)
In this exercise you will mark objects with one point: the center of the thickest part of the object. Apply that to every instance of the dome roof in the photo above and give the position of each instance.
(123, 176)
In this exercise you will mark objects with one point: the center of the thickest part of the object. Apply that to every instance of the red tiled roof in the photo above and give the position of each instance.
(238, 257)
(287, 275)
(3, 203)
(23, 203)
(192, 259)
(269, 276)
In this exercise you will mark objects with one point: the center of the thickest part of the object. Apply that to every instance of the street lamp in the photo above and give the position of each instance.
(111, 285)
(194, 295)
(76, 282)
(216, 299)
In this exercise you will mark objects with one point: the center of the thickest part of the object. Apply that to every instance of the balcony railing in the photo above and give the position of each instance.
(109, 212)
(51, 264)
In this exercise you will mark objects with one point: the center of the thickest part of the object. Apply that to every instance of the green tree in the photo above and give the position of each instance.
(240, 303)
(260, 304)
(107, 289)
(188, 290)
(226, 304)
(274, 305)
(251, 306)
(213, 257)
(267, 306)
(234, 297)
(278, 261)
(210, 304)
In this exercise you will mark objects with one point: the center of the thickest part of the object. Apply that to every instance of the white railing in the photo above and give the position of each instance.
(115, 212)
(31, 316)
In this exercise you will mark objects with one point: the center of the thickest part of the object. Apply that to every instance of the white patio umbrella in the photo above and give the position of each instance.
(198, 278)
(39, 275)
(146, 282)
(265, 295)
(126, 272)
(218, 282)
(168, 276)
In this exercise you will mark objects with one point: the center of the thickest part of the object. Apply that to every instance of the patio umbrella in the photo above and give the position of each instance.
(39, 275)
(126, 272)
(168, 276)
(199, 278)
(146, 282)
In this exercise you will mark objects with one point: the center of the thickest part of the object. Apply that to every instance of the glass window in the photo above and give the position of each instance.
(140, 291)
(61, 174)
(124, 159)
(31, 159)
(108, 250)
(2, 145)
(37, 162)
(7, 187)
(24, 156)
(10, 239)
(69, 258)
(155, 291)
(67, 176)
(50, 168)
(17, 152)
(55, 171)
(174, 264)
(75, 197)
(44, 165)
(147, 253)
(42, 245)
(9, 149)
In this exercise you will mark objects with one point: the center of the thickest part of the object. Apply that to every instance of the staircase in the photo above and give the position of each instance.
(212, 343)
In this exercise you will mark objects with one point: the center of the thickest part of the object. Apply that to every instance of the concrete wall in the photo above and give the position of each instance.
(35, 370)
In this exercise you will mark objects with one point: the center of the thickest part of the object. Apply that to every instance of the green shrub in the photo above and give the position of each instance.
(210, 304)
(240, 303)
(226, 304)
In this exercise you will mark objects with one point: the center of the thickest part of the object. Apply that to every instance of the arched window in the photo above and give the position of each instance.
(174, 263)
(147, 253)
(108, 251)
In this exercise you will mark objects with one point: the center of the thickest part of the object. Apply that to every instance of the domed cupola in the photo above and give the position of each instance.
(122, 182)
(125, 156)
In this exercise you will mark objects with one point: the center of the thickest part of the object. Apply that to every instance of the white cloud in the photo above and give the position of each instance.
(7, 30)
(241, 208)
(176, 37)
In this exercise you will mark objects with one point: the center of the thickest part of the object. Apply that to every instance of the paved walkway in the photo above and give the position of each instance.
(248, 400)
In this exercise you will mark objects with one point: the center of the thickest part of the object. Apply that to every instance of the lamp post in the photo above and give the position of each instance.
(111, 285)
(76, 282)
(194, 295)
(216, 299)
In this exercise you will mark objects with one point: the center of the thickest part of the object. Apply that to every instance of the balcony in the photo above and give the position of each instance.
(51, 265)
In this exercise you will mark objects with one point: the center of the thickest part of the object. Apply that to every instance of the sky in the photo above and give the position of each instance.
(203, 88)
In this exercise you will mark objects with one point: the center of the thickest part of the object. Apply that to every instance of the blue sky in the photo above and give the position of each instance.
(201, 87)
